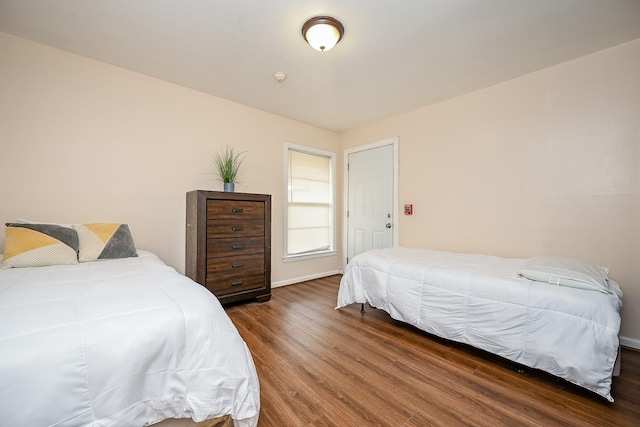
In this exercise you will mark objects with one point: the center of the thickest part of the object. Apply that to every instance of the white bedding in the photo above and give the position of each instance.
(480, 300)
(124, 342)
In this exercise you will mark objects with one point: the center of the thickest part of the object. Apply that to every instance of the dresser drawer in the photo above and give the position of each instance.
(234, 246)
(238, 265)
(232, 209)
(221, 285)
(235, 228)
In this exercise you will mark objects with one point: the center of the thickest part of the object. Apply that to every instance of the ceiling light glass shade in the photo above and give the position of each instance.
(322, 32)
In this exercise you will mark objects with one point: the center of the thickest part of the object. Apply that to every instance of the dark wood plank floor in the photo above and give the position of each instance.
(324, 367)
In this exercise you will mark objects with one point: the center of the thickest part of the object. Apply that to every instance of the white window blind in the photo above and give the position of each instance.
(309, 203)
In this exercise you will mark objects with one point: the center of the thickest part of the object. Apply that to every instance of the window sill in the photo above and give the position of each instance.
(292, 258)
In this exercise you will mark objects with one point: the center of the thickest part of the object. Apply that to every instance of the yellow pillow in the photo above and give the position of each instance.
(104, 241)
(38, 245)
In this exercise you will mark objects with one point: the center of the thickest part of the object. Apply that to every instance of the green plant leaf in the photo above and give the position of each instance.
(227, 164)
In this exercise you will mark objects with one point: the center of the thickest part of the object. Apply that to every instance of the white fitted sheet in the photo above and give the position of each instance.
(118, 343)
(480, 300)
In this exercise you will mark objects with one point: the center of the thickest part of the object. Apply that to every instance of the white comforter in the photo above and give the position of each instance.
(480, 300)
(125, 342)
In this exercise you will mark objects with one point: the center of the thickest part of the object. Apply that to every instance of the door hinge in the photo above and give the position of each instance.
(347, 213)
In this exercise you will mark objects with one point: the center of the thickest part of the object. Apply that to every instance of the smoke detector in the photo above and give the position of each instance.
(279, 76)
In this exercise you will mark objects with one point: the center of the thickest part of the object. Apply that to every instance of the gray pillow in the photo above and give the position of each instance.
(104, 241)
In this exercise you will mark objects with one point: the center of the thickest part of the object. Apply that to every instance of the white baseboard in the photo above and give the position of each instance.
(630, 342)
(304, 278)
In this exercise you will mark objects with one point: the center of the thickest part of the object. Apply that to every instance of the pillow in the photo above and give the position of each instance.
(37, 245)
(104, 241)
(566, 272)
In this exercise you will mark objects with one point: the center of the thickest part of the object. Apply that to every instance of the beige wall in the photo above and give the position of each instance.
(546, 164)
(83, 141)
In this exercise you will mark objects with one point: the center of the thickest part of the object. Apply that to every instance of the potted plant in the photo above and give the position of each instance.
(227, 164)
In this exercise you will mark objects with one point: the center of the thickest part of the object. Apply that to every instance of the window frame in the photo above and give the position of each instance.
(332, 251)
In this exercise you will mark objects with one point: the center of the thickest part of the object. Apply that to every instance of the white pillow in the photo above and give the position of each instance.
(567, 272)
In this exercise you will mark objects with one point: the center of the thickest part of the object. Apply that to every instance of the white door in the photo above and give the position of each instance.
(370, 204)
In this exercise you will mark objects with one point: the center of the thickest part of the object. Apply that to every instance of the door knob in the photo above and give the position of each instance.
(388, 225)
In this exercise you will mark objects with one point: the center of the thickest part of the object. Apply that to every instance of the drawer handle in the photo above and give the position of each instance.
(237, 283)
(237, 228)
(237, 210)
(237, 265)
(237, 246)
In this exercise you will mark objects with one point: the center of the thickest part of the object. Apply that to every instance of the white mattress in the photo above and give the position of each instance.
(125, 342)
(480, 300)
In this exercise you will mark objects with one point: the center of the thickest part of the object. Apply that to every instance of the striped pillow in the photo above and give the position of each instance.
(104, 241)
(38, 245)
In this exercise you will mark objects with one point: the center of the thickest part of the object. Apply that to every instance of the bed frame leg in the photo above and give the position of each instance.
(362, 308)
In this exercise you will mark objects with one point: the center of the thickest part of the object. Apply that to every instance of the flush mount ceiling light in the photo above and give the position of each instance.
(322, 32)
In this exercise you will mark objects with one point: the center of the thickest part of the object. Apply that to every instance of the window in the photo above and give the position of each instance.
(309, 211)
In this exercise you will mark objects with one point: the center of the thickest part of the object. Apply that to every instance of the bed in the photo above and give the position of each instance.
(529, 311)
(118, 342)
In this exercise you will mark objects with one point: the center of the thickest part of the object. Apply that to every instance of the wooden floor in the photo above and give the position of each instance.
(324, 367)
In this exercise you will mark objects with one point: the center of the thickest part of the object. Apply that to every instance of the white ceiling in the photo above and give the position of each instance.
(396, 55)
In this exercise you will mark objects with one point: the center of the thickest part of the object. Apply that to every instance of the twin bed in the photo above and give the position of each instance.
(118, 342)
(557, 315)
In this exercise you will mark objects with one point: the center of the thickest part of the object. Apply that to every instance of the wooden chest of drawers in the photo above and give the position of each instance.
(229, 244)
